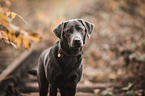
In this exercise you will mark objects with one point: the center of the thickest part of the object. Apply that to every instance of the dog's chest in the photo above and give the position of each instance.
(68, 72)
(68, 62)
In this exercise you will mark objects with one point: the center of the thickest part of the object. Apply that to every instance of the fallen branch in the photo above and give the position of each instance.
(6, 73)
(33, 87)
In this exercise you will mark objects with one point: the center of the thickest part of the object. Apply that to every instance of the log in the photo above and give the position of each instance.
(77, 94)
(92, 87)
(18, 69)
(6, 73)
(33, 87)
(28, 89)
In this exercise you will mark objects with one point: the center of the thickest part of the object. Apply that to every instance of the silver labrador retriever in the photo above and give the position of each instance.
(60, 66)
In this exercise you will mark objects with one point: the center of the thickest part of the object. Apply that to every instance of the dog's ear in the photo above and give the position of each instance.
(88, 27)
(59, 29)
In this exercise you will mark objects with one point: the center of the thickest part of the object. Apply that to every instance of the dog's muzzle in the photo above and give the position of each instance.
(76, 41)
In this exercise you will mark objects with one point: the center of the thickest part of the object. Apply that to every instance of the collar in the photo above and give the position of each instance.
(60, 52)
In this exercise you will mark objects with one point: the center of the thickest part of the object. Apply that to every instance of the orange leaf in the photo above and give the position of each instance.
(2, 16)
(10, 36)
(8, 28)
(36, 39)
(34, 36)
(17, 40)
(13, 15)
(3, 33)
(3, 19)
(26, 42)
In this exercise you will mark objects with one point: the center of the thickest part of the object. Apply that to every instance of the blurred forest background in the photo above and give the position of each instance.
(115, 53)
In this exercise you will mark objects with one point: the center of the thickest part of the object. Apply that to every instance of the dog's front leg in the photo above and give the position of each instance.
(52, 90)
(68, 91)
(71, 91)
(43, 83)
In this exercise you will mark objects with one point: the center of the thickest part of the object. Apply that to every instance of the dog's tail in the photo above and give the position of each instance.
(32, 72)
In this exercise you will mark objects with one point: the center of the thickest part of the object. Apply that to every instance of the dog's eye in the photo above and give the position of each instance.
(79, 28)
(69, 31)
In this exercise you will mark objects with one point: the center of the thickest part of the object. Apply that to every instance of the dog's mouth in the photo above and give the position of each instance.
(76, 42)
(76, 46)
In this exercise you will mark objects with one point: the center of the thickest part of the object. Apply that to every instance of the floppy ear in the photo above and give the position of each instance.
(88, 26)
(58, 30)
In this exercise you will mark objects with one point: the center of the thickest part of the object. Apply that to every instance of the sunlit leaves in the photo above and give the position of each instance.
(26, 42)
(17, 40)
(13, 34)
(3, 34)
(3, 19)
(34, 36)
(13, 15)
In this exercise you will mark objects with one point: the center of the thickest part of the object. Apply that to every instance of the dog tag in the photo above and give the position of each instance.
(59, 55)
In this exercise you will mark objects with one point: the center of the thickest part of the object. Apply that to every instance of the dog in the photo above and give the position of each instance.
(60, 66)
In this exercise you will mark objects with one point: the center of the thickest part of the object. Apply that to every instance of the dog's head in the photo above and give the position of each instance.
(74, 32)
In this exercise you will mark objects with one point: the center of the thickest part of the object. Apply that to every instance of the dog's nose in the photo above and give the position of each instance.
(77, 39)
(77, 42)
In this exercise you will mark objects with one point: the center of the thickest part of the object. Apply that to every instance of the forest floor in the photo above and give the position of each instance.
(114, 54)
